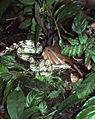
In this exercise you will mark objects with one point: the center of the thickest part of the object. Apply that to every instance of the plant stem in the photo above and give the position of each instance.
(59, 33)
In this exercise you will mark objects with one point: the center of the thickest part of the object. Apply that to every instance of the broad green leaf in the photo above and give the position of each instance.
(86, 87)
(15, 104)
(4, 6)
(25, 24)
(80, 23)
(69, 101)
(27, 2)
(43, 107)
(93, 58)
(49, 2)
(33, 83)
(69, 10)
(6, 76)
(16, 74)
(53, 94)
(75, 85)
(29, 111)
(28, 10)
(34, 97)
(3, 69)
(10, 61)
(90, 102)
(83, 90)
(88, 113)
(7, 90)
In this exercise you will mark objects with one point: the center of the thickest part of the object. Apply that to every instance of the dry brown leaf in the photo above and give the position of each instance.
(54, 55)
(88, 65)
(74, 77)
(91, 26)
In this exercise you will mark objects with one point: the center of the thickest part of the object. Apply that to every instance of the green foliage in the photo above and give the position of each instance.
(31, 111)
(34, 97)
(78, 46)
(9, 61)
(25, 24)
(38, 18)
(53, 94)
(80, 92)
(88, 109)
(15, 104)
(80, 23)
(4, 6)
(49, 2)
(28, 2)
(65, 12)
(43, 107)
(7, 90)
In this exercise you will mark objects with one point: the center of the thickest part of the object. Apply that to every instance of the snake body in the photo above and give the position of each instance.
(26, 51)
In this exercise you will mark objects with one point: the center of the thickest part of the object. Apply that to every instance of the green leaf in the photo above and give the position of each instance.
(83, 38)
(90, 102)
(1, 83)
(70, 51)
(15, 104)
(80, 23)
(73, 41)
(43, 107)
(3, 69)
(27, 2)
(28, 10)
(87, 56)
(34, 97)
(88, 113)
(10, 61)
(74, 52)
(29, 111)
(65, 50)
(25, 24)
(86, 87)
(93, 58)
(83, 90)
(69, 10)
(37, 33)
(4, 6)
(33, 83)
(69, 101)
(49, 2)
(79, 50)
(33, 28)
(7, 90)
(53, 94)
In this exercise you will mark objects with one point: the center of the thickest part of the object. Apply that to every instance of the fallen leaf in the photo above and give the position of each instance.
(88, 65)
(74, 77)
(53, 54)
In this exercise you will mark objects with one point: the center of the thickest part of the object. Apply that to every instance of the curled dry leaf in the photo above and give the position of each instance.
(88, 65)
(91, 26)
(74, 77)
(54, 55)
